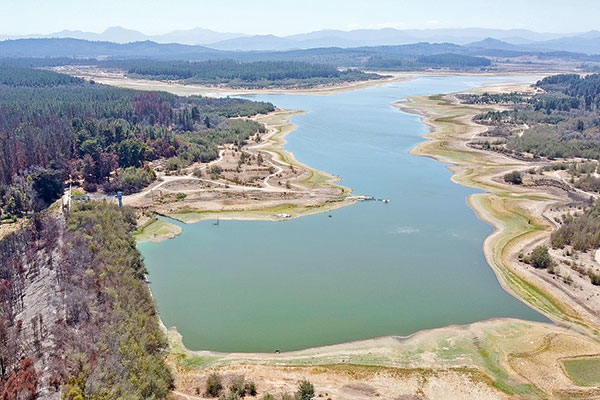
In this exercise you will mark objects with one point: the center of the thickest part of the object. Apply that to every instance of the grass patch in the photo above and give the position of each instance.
(502, 381)
(450, 120)
(157, 230)
(193, 216)
(195, 362)
(583, 371)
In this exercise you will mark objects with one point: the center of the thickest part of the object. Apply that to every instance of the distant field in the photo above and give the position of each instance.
(583, 371)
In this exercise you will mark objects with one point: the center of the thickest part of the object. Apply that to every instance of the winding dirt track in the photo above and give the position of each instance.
(166, 179)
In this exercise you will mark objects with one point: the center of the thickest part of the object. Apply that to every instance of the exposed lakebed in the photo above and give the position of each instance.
(369, 270)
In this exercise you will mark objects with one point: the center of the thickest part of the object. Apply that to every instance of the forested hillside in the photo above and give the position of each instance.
(76, 316)
(561, 121)
(54, 127)
(28, 77)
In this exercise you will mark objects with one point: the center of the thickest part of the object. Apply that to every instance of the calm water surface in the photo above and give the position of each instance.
(371, 270)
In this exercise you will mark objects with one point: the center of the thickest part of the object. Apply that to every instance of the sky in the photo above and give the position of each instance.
(284, 17)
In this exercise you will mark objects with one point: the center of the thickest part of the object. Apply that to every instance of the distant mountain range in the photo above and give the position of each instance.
(82, 49)
(378, 37)
(59, 51)
(117, 34)
(586, 44)
(524, 40)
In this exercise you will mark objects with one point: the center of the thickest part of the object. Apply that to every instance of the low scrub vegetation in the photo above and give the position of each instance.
(214, 385)
(540, 258)
(238, 387)
(580, 231)
(130, 180)
(306, 391)
(514, 177)
(589, 183)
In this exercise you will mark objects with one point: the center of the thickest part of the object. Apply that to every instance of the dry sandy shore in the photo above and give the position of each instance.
(496, 359)
(118, 78)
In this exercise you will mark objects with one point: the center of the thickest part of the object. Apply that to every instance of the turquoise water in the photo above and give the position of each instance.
(371, 270)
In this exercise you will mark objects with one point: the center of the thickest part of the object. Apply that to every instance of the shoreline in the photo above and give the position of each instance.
(496, 348)
(358, 345)
(506, 208)
(485, 359)
(428, 118)
(279, 126)
(183, 89)
(279, 121)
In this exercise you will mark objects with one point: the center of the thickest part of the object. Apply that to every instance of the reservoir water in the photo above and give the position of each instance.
(371, 270)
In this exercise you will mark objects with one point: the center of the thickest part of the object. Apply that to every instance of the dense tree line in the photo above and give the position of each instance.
(586, 90)
(86, 131)
(110, 306)
(235, 73)
(493, 98)
(226, 70)
(454, 60)
(14, 76)
(391, 63)
(447, 60)
(590, 68)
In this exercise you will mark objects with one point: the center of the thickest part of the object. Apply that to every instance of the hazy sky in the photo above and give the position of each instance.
(282, 17)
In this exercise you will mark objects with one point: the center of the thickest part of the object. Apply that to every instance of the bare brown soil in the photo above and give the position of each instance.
(496, 359)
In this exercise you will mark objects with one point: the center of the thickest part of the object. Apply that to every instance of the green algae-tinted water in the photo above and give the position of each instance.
(371, 270)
